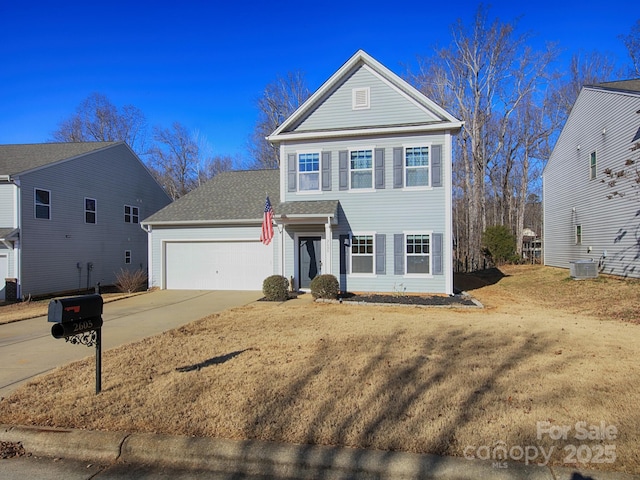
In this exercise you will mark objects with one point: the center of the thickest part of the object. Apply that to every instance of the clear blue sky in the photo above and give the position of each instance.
(204, 63)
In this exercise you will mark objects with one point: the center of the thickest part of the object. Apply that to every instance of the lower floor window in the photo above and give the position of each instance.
(362, 254)
(127, 256)
(418, 254)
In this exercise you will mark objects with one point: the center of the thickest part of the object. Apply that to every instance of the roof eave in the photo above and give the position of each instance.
(277, 138)
(182, 223)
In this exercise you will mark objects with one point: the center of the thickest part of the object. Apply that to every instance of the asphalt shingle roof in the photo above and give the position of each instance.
(313, 207)
(625, 85)
(233, 195)
(5, 232)
(15, 159)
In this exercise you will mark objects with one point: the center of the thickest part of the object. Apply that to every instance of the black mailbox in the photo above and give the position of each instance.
(75, 315)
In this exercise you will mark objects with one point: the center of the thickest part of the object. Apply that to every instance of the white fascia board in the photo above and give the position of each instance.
(199, 223)
(361, 132)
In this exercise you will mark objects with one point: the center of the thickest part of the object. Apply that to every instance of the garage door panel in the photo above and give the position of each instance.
(217, 265)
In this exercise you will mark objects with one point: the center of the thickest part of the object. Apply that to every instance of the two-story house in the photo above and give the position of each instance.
(363, 192)
(70, 215)
(583, 218)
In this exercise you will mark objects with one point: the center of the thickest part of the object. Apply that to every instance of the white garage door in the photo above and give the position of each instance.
(217, 265)
(4, 272)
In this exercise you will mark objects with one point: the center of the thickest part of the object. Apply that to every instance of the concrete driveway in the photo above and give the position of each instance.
(27, 348)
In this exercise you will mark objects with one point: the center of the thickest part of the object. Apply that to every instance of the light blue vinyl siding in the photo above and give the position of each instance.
(52, 249)
(388, 107)
(572, 198)
(7, 206)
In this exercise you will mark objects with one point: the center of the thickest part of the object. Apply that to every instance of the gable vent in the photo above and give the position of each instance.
(360, 98)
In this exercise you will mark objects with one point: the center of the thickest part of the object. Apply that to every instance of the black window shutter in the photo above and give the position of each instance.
(292, 169)
(398, 254)
(436, 165)
(438, 257)
(344, 253)
(343, 166)
(326, 170)
(397, 167)
(379, 167)
(381, 257)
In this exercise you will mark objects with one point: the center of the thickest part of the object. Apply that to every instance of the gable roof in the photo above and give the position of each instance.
(236, 196)
(17, 159)
(436, 118)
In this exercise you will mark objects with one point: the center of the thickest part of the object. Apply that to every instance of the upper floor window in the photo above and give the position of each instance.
(131, 214)
(592, 165)
(309, 168)
(361, 165)
(90, 210)
(127, 257)
(418, 254)
(362, 254)
(416, 163)
(42, 204)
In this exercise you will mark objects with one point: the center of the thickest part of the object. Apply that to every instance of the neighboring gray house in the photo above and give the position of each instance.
(70, 214)
(580, 221)
(363, 193)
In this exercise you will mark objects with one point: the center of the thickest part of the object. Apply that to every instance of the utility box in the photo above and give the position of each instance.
(583, 269)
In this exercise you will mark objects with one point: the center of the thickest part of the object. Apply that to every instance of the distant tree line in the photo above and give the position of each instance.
(512, 98)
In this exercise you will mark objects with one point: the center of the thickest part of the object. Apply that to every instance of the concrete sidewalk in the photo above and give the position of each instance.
(27, 348)
(118, 455)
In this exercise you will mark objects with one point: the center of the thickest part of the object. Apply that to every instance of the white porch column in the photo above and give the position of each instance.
(327, 263)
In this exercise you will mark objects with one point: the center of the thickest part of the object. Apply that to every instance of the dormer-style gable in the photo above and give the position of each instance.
(364, 98)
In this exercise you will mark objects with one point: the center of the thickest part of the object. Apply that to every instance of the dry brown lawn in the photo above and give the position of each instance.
(437, 380)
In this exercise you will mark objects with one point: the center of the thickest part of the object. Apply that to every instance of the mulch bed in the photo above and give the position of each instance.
(425, 300)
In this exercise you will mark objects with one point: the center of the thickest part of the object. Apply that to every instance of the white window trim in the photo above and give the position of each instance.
(373, 255)
(373, 169)
(578, 241)
(298, 172)
(124, 213)
(35, 203)
(95, 212)
(419, 275)
(354, 95)
(404, 167)
(593, 174)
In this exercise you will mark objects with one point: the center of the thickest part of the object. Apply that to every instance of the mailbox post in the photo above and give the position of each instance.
(79, 321)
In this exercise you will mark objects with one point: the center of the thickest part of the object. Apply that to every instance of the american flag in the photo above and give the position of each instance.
(267, 223)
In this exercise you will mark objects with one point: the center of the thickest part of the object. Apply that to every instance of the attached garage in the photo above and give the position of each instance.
(216, 265)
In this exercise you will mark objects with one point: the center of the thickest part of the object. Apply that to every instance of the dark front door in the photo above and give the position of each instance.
(310, 259)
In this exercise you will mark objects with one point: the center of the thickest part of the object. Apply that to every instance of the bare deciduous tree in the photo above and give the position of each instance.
(97, 119)
(632, 42)
(279, 100)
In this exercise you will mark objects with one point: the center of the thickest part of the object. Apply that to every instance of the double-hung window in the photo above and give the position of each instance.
(362, 254)
(416, 164)
(309, 168)
(418, 254)
(42, 200)
(127, 257)
(592, 165)
(131, 214)
(361, 166)
(90, 210)
(578, 234)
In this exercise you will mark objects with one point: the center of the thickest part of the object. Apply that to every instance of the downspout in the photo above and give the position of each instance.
(17, 245)
(147, 229)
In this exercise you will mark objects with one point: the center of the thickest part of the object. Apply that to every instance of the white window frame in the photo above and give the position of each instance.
(593, 165)
(372, 254)
(578, 234)
(127, 257)
(361, 93)
(37, 204)
(131, 214)
(300, 173)
(428, 233)
(371, 169)
(94, 211)
(405, 168)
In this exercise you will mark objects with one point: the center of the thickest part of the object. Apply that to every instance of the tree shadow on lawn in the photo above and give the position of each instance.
(387, 414)
(212, 361)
